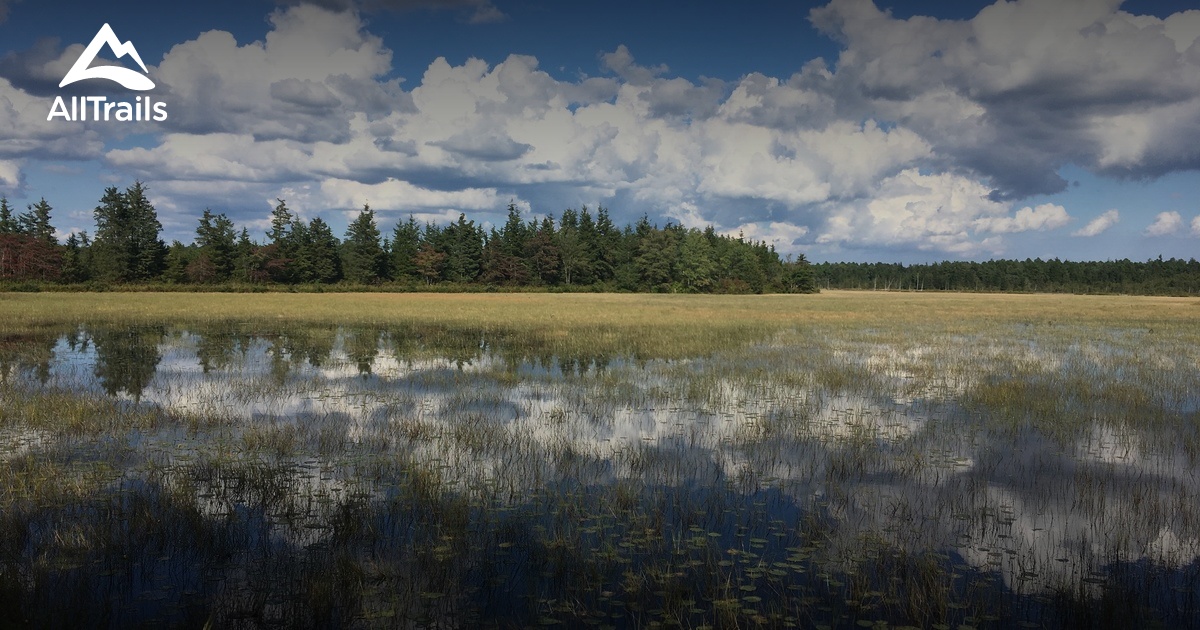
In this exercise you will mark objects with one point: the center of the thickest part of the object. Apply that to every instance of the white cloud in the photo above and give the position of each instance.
(1098, 225)
(1165, 224)
(918, 140)
(940, 212)
(1077, 81)
(1196, 226)
(10, 175)
(1044, 217)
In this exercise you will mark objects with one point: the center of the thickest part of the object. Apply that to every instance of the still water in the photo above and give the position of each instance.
(364, 477)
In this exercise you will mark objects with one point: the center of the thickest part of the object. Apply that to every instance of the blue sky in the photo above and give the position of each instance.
(846, 130)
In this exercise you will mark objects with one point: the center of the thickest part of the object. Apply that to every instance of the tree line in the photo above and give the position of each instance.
(577, 250)
(1152, 277)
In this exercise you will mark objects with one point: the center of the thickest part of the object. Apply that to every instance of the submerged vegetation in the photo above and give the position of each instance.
(841, 460)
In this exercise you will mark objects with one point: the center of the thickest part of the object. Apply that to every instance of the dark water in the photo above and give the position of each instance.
(330, 476)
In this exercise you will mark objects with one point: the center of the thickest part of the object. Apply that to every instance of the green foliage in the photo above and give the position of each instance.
(217, 242)
(36, 222)
(1157, 276)
(320, 253)
(8, 224)
(127, 247)
(406, 242)
(363, 259)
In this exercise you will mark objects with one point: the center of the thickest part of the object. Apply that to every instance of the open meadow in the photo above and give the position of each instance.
(846, 459)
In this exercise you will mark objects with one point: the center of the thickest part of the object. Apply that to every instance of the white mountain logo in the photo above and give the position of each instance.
(126, 77)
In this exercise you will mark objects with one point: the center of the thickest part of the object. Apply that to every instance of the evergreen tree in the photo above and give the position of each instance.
(571, 249)
(281, 245)
(247, 259)
(363, 260)
(36, 222)
(110, 260)
(589, 241)
(8, 223)
(464, 249)
(127, 247)
(216, 240)
(147, 251)
(321, 254)
(74, 260)
(177, 264)
(514, 234)
(748, 269)
(542, 253)
(609, 251)
(500, 267)
(696, 265)
(406, 242)
(656, 257)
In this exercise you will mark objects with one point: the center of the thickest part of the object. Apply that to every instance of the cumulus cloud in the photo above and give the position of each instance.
(1044, 217)
(1165, 224)
(1098, 225)
(942, 212)
(1028, 86)
(1196, 226)
(11, 178)
(923, 135)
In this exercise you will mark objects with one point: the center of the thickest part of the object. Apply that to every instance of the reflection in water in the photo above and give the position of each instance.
(126, 359)
(972, 480)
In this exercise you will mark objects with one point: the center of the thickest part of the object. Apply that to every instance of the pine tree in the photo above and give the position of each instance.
(464, 249)
(147, 251)
(571, 249)
(406, 242)
(75, 254)
(542, 254)
(111, 258)
(656, 257)
(127, 247)
(8, 223)
(696, 264)
(363, 260)
(281, 244)
(321, 254)
(36, 223)
(514, 234)
(217, 241)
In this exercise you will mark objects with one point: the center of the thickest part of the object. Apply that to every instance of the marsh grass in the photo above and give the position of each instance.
(617, 461)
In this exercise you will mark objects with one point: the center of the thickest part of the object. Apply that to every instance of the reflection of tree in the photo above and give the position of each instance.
(217, 347)
(311, 344)
(126, 359)
(32, 352)
(362, 346)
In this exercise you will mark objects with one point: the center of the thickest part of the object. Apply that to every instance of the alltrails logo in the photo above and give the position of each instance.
(142, 108)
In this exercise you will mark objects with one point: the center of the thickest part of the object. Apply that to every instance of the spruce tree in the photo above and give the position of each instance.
(406, 242)
(362, 255)
(322, 257)
(147, 251)
(8, 223)
(36, 222)
(217, 241)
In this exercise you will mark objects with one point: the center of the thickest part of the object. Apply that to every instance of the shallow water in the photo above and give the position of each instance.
(376, 477)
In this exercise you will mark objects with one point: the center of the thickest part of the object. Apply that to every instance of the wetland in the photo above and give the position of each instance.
(835, 460)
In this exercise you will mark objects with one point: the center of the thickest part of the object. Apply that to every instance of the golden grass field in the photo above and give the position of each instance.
(566, 311)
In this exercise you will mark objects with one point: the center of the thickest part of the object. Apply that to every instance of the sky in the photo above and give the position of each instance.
(844, 130)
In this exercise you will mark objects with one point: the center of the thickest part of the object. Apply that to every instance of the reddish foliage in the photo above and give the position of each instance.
(23, 257)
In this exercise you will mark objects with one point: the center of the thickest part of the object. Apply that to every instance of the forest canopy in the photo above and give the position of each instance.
(577, 250)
